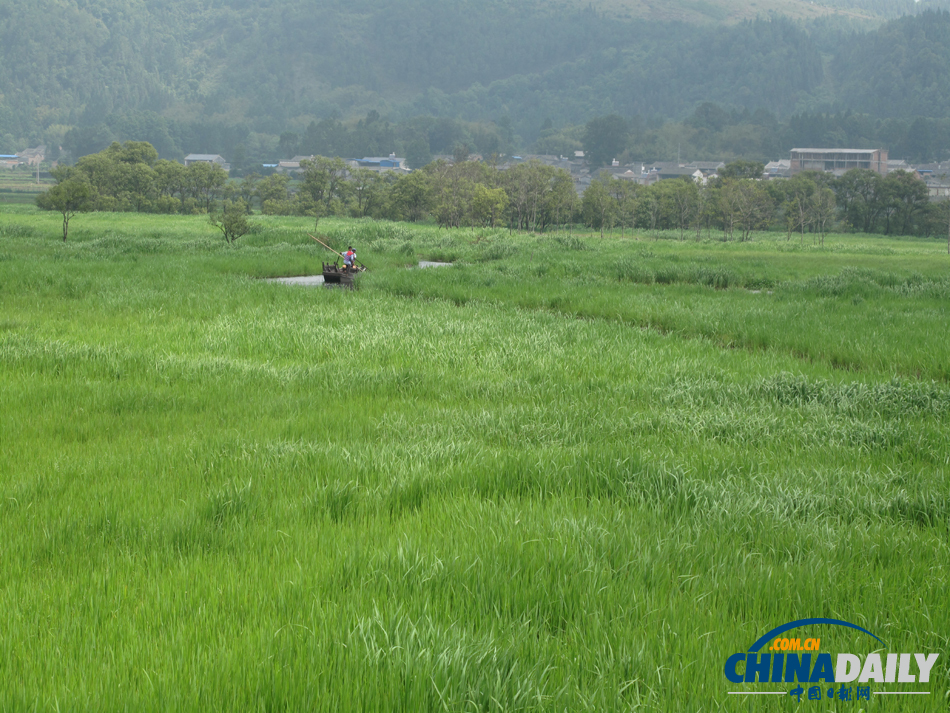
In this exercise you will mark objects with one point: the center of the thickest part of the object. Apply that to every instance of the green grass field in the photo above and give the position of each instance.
(565, 474)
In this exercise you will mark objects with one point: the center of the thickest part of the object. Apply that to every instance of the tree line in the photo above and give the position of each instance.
(736, 204)
(131, 177)
(528, 196)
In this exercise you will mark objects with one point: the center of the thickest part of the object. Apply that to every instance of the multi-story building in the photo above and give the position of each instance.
(838, 161)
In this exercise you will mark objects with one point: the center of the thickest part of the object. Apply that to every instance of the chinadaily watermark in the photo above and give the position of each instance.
(785, 657)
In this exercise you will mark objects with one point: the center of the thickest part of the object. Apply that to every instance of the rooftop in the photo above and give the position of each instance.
(855, 151)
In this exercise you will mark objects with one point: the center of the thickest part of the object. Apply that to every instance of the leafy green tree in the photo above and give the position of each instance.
(822, 210)
(364, 183)
(909, 196)
(598, 205)
(99, 170)
(650, 206)
(754, 207)
(562, 142)
(303, 205)
(744, 204)
(453, 187)
(488, 204)
(231, 220)
(705, 208)
(517, 185)
(170, 178)
(122, 175)
(796, 196)
(860, 195)
(529, 188)
(410, 197)
(561, 198)
(139, 185)
(540, 183)
(742, 169)
(376, 193)
(204, 182)
(70, 197)
(683, 196)
(324, 181)
(624, 193)
(248, 189)
(132, 152)
(274, 188)
(665, 191)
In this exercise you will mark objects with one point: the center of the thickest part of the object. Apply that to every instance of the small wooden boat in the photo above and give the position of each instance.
(335, 275)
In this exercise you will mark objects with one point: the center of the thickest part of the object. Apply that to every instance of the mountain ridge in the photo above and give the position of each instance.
(273, 66)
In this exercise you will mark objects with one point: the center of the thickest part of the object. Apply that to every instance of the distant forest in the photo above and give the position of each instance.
(527, 196)
(261, 81)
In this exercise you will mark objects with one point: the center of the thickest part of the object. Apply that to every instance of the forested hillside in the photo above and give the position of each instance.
(205, 76)
(901, 70)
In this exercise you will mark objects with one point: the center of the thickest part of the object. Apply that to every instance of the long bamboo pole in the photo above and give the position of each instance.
(332, 250)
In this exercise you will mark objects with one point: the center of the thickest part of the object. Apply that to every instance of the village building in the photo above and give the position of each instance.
(778, 169)
(938, 187)
(32, 157)
(292, 165)
(709, 168)
(671, 170)
(838, 161)
(207, 158)
(630, 175)
(380, 163)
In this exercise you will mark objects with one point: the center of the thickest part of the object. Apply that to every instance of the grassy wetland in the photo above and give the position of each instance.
(565, 474)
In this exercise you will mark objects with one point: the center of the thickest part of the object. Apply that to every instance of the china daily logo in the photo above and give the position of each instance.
(818, 675)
